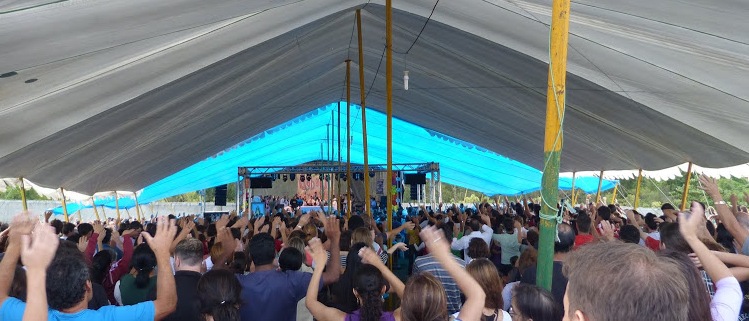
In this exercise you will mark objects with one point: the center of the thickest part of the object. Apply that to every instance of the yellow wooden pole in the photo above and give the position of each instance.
(613, 197)
(572, 197)
(348, 138)
(553, 140)
(389, 109)
(367, 209)
(686, 188)
(117, 205)
(23, 196)
(600, 184)
(137, 206)
(637, 190)
(64, 205)
(96, 212)
(339, 205)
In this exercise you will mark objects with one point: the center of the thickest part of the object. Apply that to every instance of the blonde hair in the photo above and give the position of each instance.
(362, 235)
(424, 299)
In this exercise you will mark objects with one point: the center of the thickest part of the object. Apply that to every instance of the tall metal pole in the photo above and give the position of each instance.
(600, 184)
(64, 205)
(23, 195)
(439, 185)
(117, 205)
(340, 163)
(389, 104)
(555, 103)
(686, 188)
(637, 190)
(329, 164)
(363, 112)
(348, 138)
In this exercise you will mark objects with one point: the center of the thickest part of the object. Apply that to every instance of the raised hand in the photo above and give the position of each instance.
(38, 249)
(258, 224)
(318, 253)
(400, 246)
(435, 241)
(165, 232)
(332, 228)
(368, 256)
(710, 186)
(607, 230)
(82, 243)
(98, 228)
(22, 224)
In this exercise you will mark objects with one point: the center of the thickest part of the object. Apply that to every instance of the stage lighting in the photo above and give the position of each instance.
(285, 177)
(292, 176)
(371, 174)
(301, 178)
(309, 177)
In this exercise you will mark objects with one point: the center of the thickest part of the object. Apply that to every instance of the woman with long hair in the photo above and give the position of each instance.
(422, 299)
(699, 298)
(219, 296)
(530, 302)
(487, 275)
(135, 286)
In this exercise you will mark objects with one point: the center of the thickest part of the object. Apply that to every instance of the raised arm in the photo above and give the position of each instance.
(631, 220)
(333, 232)
(405, 226)
(22, 225)
(319, 310)
(37, 252)
(369, 256)
(166, 290)
(475, 296)
(724, 212)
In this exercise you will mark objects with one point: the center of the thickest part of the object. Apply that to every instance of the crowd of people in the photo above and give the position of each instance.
(456, 263)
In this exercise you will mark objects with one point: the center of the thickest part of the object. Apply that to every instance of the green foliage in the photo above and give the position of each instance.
(14, 193)
(653, 193)
(210, 195)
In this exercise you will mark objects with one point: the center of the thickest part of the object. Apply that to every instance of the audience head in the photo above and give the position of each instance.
(70, 266)
(650, 222)
(671, 238)
(188, 254)
(290, 259)
(239, 263)
(477, 248)
(68, 229)
(424, 299)
(362, 235)
(262, 249)
(368, 287)
(85, 229)
(219, 296)
(583, 223)
(144, 262)
(101, 264)
(566, 238)
(699, 299)
(604, 212)
(530, 302)
(629, 234)
(532, 238)
(487, 276)
(617, 281)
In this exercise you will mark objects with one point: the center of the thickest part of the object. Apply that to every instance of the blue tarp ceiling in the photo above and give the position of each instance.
(303, 139)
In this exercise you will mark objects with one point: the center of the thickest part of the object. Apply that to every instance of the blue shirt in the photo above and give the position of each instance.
(272, 295)
(12, 310)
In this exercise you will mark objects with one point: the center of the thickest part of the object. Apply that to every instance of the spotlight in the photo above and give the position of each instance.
(309, 177)
(371, 174)
(285, 177)
(301, 178)
(292, 176)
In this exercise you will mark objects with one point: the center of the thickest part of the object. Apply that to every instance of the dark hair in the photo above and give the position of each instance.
(239, 263)
(368, 283)
(650, 221)
(219, 295)
(509, 225)
(354, 222)
(68, 265)
(68, 228)
(101, 264)
(477, 248)
(725, 238)
(604, 212)
(475, 223)
(447, 230)
(532, 237)
(583, 223)
(699, 299)
(143, 261)
(57, 224)
(290, 259)
(672, 239)
(342, 297)
(151, 229)
(85, 229)
(533, 302)
(566, 238)
(629, 234)
(107, 236)
(667, 206)
(710, 227)
(134, 225)
(262, 249)
(189, 251)
(345, 241)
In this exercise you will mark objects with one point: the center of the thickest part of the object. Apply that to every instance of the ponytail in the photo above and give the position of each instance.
(371, 307)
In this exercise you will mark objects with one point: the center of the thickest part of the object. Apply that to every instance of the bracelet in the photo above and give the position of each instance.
(721, 202)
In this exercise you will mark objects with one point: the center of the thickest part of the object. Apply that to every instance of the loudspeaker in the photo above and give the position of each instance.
(416, 179)
(220, 195)
(414, 192)
(261, 182)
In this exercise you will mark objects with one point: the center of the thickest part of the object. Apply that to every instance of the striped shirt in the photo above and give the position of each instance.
(428, 263)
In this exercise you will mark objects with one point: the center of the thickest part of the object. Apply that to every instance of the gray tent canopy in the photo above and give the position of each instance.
(115, 95)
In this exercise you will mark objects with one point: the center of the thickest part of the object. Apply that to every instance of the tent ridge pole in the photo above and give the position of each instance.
(348, 138)
(363, 94)
(685, 194)
(637, 189)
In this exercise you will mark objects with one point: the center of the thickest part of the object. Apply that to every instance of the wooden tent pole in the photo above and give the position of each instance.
(117, 205)
(600, 184)
(613, 197)
(637, 189)
(555, 104)
(348, 138)
(389, 108)
(64, 205)
(572, 196)
(363, 94)
(686, 188)
(23, 196)
(96, 212)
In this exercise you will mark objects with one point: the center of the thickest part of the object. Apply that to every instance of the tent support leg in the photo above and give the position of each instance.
(600, 184)
(117, 205)
(613, 198)
(555, 104)
(439, 186)
(389, 107)
(573, 199)
(23, 195)
(137, 207)
(96, 212)
(339, 204)
(637, 189)
(348, 139)
(367, 202)
(64, 205)
(686, 188)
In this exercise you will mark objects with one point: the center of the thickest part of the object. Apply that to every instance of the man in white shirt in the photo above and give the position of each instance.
(479, 226)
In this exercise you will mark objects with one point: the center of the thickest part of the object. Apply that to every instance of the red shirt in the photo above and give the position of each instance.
(582, 239)
(653, 244)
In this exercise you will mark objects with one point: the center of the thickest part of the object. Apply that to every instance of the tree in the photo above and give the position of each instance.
(14, 193)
